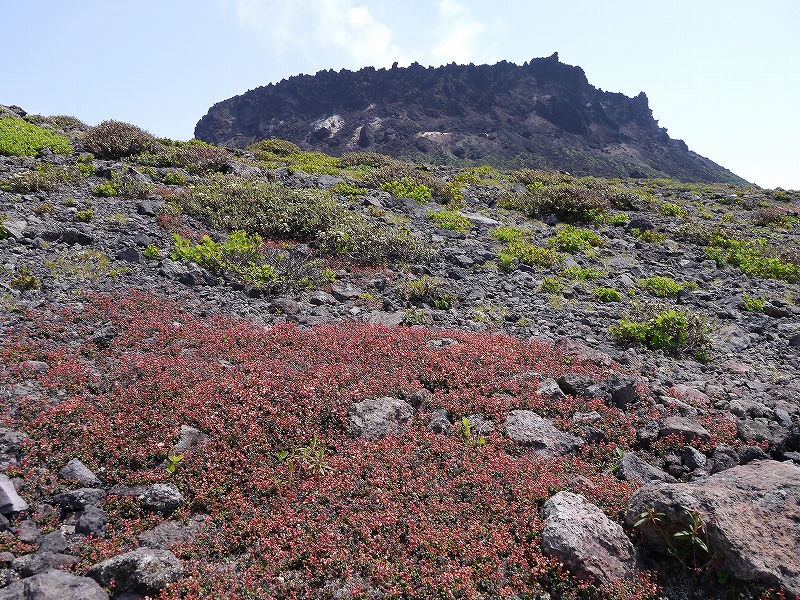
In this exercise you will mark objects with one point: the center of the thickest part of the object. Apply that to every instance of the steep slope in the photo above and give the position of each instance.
(542, 114)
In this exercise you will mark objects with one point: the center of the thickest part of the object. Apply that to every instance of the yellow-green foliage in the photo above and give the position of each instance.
(44, 178)
(551, 285)
(507, 234)
(572, 239)
(580, 273)
(240, 254)
(83, 264)
(313, 163)
(448, 219)
(607, 294)
(405, 188)
(20, 138)
(527, 254)
(669, 329)
(660, 286)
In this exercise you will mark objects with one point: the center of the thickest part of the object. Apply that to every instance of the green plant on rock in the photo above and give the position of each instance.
(660, 286)
(345, 189)
(607, 294)
(44, 178)
(670, 329)
(83, 264)
(84, 216)
(551, 285)
(239, 254)
(449, 219)
(428, 289)
(507, 234)
(313, 163)
(671, 209)
(466, 434)
(174, 178)
(115, 139)
(573, 239)
(405, 188)
(106, 190)
(527, 254)
(648, 235)
(24, 278)
(20, 138)
(579, 273)
(753, 304)
(688, 544)
(151, 252)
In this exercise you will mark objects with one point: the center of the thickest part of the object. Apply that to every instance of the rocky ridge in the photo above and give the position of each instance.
(749, 379)
(542, 114)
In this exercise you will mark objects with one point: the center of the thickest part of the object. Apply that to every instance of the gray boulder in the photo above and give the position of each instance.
(189, 439)
(10, 500)
(54, 585)
(590, 545)
(634, 469)
(145, 569)
(681, 426)
(92, 521)
(76, 471)
(528, 429)
(379, 417)
(74, 500)
(11, 442)
(168, 533)
(42, 562)
(751, 515)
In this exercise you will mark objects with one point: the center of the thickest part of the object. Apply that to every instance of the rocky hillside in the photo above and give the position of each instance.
(543, 115)
(271, 373)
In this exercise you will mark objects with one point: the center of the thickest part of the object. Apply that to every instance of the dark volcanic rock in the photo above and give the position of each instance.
(538, 114)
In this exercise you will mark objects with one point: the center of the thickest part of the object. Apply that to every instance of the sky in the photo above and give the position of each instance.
(723, 75)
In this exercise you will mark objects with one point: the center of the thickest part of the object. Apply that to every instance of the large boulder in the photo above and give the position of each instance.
(76, 471)
(10, 500)
(527, 428)
(591, 545)
(751, 516)
(379, 417)
(145, 569)
(54, 585)
(634, 469)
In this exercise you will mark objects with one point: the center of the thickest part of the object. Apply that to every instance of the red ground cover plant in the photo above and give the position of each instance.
(416, 516)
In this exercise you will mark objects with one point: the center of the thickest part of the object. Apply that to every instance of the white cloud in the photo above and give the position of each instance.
(461, 33)
(314, 26)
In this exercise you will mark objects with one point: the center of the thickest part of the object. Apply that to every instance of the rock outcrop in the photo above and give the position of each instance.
(542, 114)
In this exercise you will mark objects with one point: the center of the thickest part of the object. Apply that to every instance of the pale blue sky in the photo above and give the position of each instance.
(723, 75)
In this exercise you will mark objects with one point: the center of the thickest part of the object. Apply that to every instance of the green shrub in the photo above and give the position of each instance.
(272, 149)
(572, 239)
(174, 179)
(660, 286)
(752, 304)
(106, 190)
(350, 160)
(506, 234)
(407, 176)
(405, 188)
(24, 278)
(551, 285)
(606, 294)
(194, 156)
(429, 289)
(83, 264)
(580, 273)
(772, 215)
(345, 189)
(671, 209)
(755, 258)
(151, 252)
(571, 203)
(115, 139)
(527, 254)
(648, 235)
(668, 329)
(240, 254)
(20, 138)
(313, 163)
(448, 219)
(84, 215)
(44, 178)
(270, 210)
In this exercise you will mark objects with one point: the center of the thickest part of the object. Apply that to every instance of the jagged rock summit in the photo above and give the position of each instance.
(542, 114)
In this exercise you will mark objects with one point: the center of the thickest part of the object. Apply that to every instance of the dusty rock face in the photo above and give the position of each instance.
(527, 428)
(379, 417)
(54, 585)
(590, 544)
(146, 570)
(751, 514)
(542, 113)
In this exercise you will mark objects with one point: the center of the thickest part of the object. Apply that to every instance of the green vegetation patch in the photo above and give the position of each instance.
(660, 286)
(20, 138)
(606, 294)
(406, 188)
(528, 254)
(115, 139)
(83, 264)
(44, 178)
(573, 239)
(507, 234)
(450, 219)
(427, 289)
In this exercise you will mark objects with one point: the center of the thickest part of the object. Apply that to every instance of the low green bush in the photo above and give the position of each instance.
(660, 286)
(579, 273)
(44, 178)
(648, 235)
(115, 139)
(405, 188)
(449, 219)
(527, 254)
(752, 304)
(506, 234)
(671, 209)
(670, 329)
(607, 294)
(573, 239)
(428, 289)
(551, 285)
(20, 138)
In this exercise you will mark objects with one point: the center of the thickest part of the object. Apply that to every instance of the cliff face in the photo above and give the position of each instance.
(542, 114)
